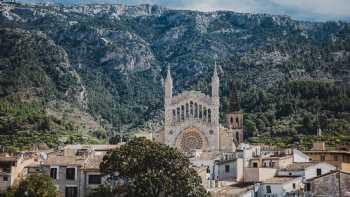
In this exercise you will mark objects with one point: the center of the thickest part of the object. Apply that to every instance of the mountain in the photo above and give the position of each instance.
(108, 62)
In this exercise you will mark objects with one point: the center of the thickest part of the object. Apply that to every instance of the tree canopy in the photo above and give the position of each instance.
(34, 186)
(153, 170)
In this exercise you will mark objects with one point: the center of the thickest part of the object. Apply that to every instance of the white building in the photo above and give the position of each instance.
(299, 156)
(306, 170)
(280, 187)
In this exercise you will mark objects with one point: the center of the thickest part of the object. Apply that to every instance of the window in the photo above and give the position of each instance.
(182, 112)
(5, 178)
(7, 169)
(318, 171)
(255, 165)
(174, 115)
(335, 158)
(187, 111)
(290, 174)
(268, 189)
(308, 187)
(178, 114)
(323, 158)
(294, 186)
(54, 172)
(191, 108)
(71, 192)
(196, 110)
(227, 168)
(209, 115)
(273, 164)
(94, 179)
(70, 173)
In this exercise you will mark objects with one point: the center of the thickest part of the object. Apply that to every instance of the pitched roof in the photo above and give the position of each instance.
(93, 162)
(299, 166)
(328, 173)
(279, 179)
(60, 159)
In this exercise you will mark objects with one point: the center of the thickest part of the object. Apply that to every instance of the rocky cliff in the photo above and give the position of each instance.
(112, 60)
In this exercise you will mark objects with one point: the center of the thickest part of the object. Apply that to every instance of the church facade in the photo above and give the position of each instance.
(192, 120)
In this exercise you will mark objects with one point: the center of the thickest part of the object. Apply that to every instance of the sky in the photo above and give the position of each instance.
(314, 10)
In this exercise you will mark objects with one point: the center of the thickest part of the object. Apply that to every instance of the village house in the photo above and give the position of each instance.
(11, 167)
(306, 170)
(339, 157)
(280, 186)
(75, 169)
(334, 183)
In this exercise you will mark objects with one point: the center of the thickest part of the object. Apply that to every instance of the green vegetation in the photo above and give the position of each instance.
(292, 76)
(34, 186)
(153, 170)
(24, 123)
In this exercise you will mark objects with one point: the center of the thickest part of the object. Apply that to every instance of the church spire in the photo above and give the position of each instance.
(168, 75)
(215, 82)
(168, 86)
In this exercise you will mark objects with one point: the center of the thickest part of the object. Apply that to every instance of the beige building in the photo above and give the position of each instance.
(192, 120)
(339, 157)
(11, 167)
(271, 161)
(75, 169)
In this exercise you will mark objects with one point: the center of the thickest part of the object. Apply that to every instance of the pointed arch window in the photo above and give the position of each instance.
(174, 115)
(187, 111)
(200, 115)
(209, 115)
(196, 110)
(191, 108)
(182, 112)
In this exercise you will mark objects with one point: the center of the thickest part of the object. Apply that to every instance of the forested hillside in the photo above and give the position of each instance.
(108, 62)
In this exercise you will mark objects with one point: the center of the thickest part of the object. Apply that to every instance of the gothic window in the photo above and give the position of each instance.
(237, 122)
(205, 113)
(174, 115)
(191, 108)
(237, 136)
(196, 110)
(200, 111)
(231, 120)
(209, 115)
(182, 112)
(187, 114)
(178, 114)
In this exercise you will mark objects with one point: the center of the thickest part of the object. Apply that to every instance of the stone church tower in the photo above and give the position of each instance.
(234, 117)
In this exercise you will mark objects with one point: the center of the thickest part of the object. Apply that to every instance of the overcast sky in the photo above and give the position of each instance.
(319, 10)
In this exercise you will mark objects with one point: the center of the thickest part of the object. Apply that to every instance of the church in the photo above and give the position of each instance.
(191, 120)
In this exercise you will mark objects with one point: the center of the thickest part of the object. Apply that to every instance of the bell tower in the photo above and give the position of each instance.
(215, 99)
(234, 117)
